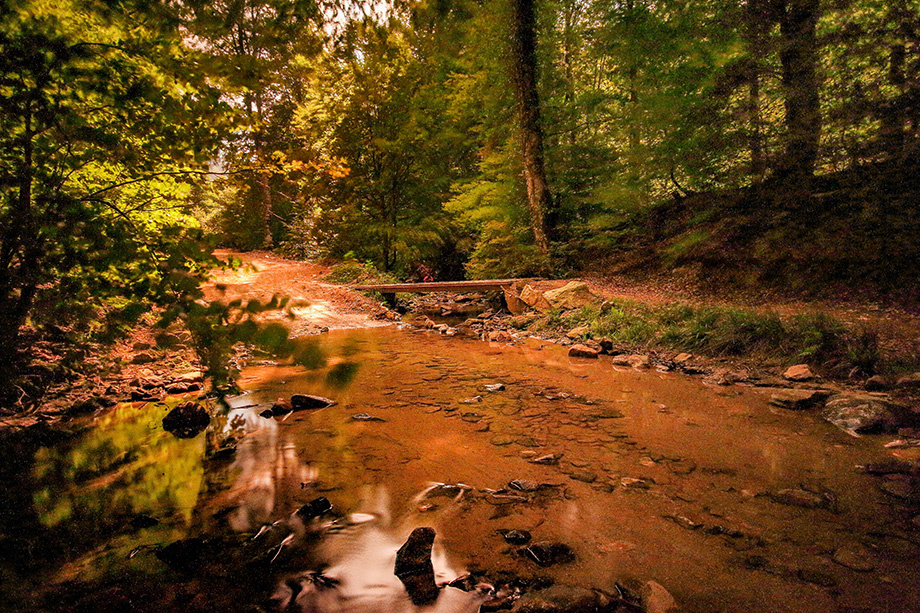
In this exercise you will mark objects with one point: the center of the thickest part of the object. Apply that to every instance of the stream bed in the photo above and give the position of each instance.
(542, 477)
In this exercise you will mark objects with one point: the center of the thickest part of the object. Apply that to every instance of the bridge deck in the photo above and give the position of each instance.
(442, 286)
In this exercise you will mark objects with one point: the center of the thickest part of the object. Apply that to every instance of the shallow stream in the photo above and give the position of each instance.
(644, 475)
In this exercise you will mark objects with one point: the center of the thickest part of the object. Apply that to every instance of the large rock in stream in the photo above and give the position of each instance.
(298, 402)
(414, 568)
(186, 420)
(862, 414)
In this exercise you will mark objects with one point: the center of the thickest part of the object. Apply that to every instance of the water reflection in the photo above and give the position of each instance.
(356, 560)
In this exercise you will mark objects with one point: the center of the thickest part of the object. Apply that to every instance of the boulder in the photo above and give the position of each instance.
(414, 568)
(572, 295)
(534, 299)
(515, 305)
(799, 372)
(682, 358)
(186, 420)
(583, 351)
(798, 400)
(857, 414)
(578, 333)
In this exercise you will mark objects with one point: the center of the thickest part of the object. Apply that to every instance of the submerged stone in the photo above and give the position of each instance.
(314, 508)
(516, 537)
(186, 420)
(548, 554)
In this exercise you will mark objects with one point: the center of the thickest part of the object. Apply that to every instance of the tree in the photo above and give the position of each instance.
(102, 115)
(798, 56)
(524, 79)
(254, 44)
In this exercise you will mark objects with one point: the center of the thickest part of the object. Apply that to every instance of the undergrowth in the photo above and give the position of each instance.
(817, 339)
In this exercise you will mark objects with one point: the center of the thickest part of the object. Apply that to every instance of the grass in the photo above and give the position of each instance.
(723, 331)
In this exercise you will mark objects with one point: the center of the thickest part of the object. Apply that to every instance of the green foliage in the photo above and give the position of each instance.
(353, 271)
(104, 119)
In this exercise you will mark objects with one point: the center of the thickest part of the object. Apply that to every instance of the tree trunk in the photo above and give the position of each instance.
(799, 59)
(19, 282)
(756, 33)
(524, 77)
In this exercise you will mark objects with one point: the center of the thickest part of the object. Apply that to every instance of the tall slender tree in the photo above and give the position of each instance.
(524, 77)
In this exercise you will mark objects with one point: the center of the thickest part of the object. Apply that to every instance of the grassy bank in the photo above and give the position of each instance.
(822, 341)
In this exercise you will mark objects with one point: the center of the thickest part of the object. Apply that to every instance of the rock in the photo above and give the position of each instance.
(639, 361)
(551, 458)
(909, 381)
(877, 383)
(854, 557)
(186, 556)
(190, 376)
(584, 476)
(472, 400)
(572, 295)
(578, 333)
(281, 407)
(726, 376)
(891, 466)
(182, 388)
(797, 497)
(515, 305)
(313, 509)
(494, 387)
(90, 405)
(656, 599)
(799, 372)
(186, 420)
(141, 346)
(798, 400)
(143, 358)
(534, 299)
(857, 414)
(366, 417)
(500, 336)
(414, 556)
(516, 537)
(583, 351)
(414, 568)
(306, 402)
(683, 358)
(560, 599)
(633, 483)
(548, 554)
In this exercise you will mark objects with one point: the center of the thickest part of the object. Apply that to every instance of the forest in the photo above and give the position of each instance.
(680, 372)
(768, 141)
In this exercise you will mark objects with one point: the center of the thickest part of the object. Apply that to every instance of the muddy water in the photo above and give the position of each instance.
(644, 475)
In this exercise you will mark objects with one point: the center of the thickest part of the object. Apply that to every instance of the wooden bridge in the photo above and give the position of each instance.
(484, 285)
(510, 288)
